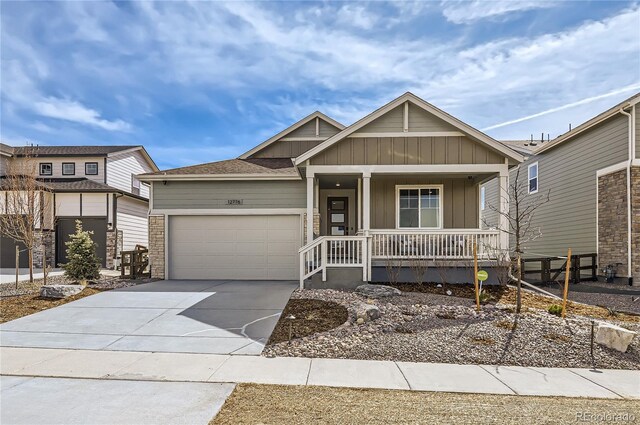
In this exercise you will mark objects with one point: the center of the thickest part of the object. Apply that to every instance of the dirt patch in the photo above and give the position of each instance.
(311, 317)
(12, 308)
(276, 404)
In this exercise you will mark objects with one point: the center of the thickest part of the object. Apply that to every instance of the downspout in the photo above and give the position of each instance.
(629, 163)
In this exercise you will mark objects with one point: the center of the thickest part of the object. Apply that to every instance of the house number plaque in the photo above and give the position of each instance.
(234, 201)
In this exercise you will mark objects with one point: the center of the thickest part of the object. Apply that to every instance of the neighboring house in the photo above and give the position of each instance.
(96, 184)
(593, 175)
(400, 183)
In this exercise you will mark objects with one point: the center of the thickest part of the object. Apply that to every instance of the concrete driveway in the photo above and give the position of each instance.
(216, 317)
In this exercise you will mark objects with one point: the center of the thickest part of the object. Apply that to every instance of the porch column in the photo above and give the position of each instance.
(503, 222)
(366, 201)
(310, 198)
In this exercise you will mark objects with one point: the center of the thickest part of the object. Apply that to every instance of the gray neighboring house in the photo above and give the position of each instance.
(320, 202)
(593, 174)
(96, 184)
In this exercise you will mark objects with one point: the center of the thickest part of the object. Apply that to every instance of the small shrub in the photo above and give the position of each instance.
(483, 340)
(555, 309)
(612, 312)
(83, 262)
(446, 315)
(556, 337)
(485, 297)
(507, 324)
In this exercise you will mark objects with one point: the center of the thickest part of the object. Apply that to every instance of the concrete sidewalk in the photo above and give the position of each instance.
(212, 368)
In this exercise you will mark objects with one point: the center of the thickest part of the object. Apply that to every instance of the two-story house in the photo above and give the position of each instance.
(96, 184)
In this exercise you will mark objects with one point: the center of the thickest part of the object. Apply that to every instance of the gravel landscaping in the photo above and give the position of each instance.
(428, 326)
(277, 404)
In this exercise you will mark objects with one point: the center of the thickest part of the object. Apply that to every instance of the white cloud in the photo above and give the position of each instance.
(465, 12)
(73, 111)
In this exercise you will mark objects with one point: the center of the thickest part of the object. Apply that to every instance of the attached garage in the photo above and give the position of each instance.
(263, 247)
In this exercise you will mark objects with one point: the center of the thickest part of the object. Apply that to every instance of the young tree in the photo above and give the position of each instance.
(26, 200)
(83, 262)
(520, 221)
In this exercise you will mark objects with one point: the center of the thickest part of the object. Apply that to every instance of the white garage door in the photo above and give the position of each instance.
(234, 247)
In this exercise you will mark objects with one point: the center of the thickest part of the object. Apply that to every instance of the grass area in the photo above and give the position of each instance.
(12, 308)
(276, 404)
(311, 316)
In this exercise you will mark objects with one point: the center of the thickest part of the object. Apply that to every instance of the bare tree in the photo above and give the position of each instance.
(419, 267)
(520, 221)
(393, 266)
(26, 208)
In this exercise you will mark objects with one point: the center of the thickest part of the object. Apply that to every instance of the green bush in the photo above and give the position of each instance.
(83, 262)
(484, 297)
(555, 309)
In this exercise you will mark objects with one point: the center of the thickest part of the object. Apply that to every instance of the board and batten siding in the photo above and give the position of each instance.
(294, 148)
(216, 194)
(132, 221)
(124, 165)
(407, 150)
(459, 198)
(568, 171)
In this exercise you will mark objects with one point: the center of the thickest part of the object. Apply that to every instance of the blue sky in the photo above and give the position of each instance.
(203, 81)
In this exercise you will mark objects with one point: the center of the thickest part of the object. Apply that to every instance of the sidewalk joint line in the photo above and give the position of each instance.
(594, 382)
(498, 379)
(403, 376)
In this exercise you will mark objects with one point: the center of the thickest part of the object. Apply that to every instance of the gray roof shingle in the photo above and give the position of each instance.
(68, 150)
(272, 166)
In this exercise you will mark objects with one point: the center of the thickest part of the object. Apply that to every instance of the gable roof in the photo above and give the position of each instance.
(84, 150)
(290, 129)
(410, 97)
(232, 169)
(590, 123)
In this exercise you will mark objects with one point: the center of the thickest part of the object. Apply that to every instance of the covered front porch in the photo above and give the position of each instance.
(367, 216)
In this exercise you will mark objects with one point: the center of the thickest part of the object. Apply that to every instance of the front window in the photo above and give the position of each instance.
(91, 168)
(533, 177)
(46, 169)
(419, 207)
(68, 168)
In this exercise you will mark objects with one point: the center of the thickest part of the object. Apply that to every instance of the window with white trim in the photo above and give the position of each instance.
(533, 178)
(482, 198)
(135, 185)
(419, 207)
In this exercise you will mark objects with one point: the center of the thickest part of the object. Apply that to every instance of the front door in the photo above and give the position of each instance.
(337, 216)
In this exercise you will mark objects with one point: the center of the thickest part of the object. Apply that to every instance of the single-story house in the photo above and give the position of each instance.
(592, 174)
(319, 200)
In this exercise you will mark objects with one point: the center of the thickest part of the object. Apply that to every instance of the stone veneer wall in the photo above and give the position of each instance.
(635, 225)
(156, 245)
(112, 247)
(46, 238)
(316, 226)
(612, 221)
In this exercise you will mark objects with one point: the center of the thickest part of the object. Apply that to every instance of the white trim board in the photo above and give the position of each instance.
(230, 211)
(410, 97)
(291, 128)
(502, 169)
(408, 134)
(440, 188)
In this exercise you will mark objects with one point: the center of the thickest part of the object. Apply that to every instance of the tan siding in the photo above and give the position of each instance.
(392, 121)
(307, 130)
(292, 149)
(489, 217)
(569, 172)
(56, 163)
(460, 200)
(327, 130)
(421, 120)
(214, 194)
(407, 150)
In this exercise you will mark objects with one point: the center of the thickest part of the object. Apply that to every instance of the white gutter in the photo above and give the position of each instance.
(632, 142)
(223, 177)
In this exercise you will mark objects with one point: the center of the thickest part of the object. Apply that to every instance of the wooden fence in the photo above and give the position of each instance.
(550, 268)
(135, 264)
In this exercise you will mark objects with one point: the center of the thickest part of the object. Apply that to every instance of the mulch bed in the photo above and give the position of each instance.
(12, 308)
(311, 316)
(279, 404)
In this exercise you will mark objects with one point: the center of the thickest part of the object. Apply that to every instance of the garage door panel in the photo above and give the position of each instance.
(234, 247)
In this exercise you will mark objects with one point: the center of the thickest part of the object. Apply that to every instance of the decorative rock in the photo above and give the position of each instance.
(377, 291)
(366, 312)
(449, 292)
(615, 337)
(60, 291)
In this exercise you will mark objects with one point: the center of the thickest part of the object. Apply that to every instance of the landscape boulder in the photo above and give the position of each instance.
(615, 337)
(366, 312)
(377, 291)
(60, 291)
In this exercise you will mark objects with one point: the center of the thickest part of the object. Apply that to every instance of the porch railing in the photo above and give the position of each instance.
(333, 251)
(359, 251)
(433, 244)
